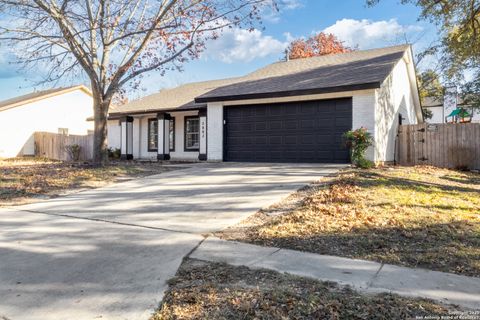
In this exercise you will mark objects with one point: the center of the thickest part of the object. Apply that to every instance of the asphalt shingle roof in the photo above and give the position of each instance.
(340, 72)
(364, 74)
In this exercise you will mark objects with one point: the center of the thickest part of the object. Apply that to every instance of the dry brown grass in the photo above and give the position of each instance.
(418, 217)
(203, 290)
(24, 180)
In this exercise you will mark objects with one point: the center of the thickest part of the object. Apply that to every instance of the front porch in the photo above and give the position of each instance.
(175, 135)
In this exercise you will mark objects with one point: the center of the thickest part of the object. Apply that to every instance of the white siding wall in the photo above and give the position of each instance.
(215, 132)
(114, 134)
(438, 115)
(17, 125)
(137, 135)
(395, 97)
(141, 140)
(363, 108)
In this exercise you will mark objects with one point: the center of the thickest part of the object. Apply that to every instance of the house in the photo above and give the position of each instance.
(60, 110)
(441, 112)
(288, 111)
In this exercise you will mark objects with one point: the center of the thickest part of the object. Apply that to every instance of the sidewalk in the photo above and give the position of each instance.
(362, 275)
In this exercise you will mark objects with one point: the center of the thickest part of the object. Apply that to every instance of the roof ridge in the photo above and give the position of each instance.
(354, 52)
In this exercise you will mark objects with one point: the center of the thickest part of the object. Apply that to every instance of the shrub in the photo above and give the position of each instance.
(358, 141)
(73, 152)
(365, 163)
(114, 153)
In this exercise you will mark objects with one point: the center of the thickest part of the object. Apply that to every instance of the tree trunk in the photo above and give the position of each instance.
(100, 114)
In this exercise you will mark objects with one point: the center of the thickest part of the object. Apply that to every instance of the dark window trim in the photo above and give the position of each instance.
(172, 147)
(185, 134)
(148, 135)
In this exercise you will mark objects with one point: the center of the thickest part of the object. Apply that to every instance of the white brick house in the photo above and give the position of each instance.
(292, 111)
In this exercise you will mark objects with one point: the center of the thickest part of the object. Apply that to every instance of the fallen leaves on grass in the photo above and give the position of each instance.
(203, 290)
(26, 179)
(418, 217)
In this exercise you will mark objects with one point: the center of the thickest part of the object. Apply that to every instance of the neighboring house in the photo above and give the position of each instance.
(439, 113)
(61, 110)
(289, 111)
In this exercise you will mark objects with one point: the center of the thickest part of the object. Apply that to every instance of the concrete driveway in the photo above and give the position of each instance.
(107, 253)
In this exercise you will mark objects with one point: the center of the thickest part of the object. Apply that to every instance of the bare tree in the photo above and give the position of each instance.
(115, 42)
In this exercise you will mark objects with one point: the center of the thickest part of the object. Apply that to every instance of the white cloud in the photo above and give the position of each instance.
(368, 34)
(272, 13)
(290, 4)
(7, 68)
(239, 45)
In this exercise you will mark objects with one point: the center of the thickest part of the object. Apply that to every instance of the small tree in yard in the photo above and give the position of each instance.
(317, 45)
(358, 141)
(115, 42)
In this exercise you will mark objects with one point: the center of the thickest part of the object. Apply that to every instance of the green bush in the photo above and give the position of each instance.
(114, 153)
(365, 164)
(358, 141)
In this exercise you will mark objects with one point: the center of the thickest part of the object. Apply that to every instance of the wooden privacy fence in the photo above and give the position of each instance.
(53, 145)
(441, 145)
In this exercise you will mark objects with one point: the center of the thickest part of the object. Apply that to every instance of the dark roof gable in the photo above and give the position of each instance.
(358, 75)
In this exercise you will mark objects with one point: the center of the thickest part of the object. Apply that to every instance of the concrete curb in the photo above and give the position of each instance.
(362, 275)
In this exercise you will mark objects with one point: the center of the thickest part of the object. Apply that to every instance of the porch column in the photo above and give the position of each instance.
(202, 114)
(126, 138)
(163, 151)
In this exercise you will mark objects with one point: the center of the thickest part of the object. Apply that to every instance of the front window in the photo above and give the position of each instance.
(192, 133)
(152, 135)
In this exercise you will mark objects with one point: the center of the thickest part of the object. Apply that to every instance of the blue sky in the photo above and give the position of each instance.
(238, 52)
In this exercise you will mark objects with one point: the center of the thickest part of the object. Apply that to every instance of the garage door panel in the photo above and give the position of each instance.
(260, 112)
(261, 140)
(288, 132)
(275, 140)
(307, 124)
(343, 107)
(292, 109)
(325, 122)
(308, 109)
(343, 122)
(276, 111)
(260, 126)
(275, 125)
(340, 155)
(290, 124)
(291, 140)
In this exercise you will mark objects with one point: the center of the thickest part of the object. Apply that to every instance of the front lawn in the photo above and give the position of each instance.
(23, 180)
(204, 290)
(417, 217)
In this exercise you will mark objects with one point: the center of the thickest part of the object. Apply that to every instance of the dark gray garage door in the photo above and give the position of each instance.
(288, 132)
